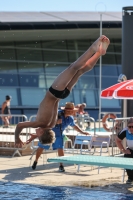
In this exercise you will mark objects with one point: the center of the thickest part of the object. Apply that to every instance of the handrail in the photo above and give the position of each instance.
(7, 134)
(123, 120)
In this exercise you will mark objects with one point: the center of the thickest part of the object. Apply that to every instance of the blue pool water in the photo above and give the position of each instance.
(15, 191)
(97, 129)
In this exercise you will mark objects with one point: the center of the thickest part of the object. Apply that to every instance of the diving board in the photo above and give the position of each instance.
(106, 161)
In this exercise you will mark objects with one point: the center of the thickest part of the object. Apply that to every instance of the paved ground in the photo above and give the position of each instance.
(17, 169)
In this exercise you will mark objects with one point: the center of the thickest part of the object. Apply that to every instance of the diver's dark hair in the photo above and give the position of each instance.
(48, 137)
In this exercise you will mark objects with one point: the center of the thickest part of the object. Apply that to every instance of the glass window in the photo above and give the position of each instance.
(86, 82)
(29, 57)
(16, 111)
(109, 81)
(118, 58)
(42, 82)
(56, 68)
(107, 70)
(30, 66)
(90, 98)
(50, 79)
(55, 51)
(9, 91)
(109, 58)
(8, 67)
(117, 48)
(117, 45)
(7, 58)
(30, 113)
(32, 96)
(31, 80)
(77, 96)
(110, 103)
(119, 70)
(7, 52)
(83, 45)
(8, 80)
(109, 76)
(72, 50)
(76, 48)
(52, 72)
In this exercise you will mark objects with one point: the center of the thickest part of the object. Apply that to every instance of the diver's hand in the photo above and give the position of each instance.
(32, 137)
(86, 133)
(18, 143)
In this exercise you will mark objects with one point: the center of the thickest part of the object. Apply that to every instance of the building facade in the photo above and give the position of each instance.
(35, 49)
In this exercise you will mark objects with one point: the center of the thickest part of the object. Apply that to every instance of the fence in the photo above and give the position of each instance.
(102, 114)
(7, 134)
(121, 123)
(70, 132)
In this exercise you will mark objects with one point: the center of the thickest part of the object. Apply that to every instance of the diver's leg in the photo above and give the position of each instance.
(66, 76)
(38, 154)
(90, 63)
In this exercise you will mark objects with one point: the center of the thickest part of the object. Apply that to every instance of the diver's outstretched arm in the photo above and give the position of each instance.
(20, 126)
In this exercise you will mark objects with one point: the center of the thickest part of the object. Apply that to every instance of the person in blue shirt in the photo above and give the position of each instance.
(65, 119)
(128, 152)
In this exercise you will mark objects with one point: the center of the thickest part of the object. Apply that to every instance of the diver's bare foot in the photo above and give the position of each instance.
(103, 46)
(95, 46)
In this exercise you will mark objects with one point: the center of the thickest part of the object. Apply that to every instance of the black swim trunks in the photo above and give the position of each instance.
(60, 94)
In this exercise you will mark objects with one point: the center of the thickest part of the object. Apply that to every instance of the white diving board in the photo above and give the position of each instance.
(106, 161)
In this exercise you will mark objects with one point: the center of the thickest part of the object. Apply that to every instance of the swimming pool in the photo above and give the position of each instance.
(97, 129)
(16, 191)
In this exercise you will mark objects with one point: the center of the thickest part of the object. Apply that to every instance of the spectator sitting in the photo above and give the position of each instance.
(128, 152)
(82, 116)
(81, 108)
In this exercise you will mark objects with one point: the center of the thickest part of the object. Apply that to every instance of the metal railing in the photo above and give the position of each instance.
(84, 121)
(7, 137)
(105, 113)
(69, 131)
(7, 134)
(118, 125)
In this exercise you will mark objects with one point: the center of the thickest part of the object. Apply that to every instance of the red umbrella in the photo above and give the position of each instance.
(123, 90)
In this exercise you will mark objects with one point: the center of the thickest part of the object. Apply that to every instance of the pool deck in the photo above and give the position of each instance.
(16, 169)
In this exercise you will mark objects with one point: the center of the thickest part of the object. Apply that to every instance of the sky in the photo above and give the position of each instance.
(64, 5)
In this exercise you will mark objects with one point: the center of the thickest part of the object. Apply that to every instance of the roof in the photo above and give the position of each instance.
(59, 16)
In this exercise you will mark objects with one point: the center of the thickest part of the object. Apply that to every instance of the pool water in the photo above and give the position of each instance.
(16, 191)
(97, 130)
(101, 129)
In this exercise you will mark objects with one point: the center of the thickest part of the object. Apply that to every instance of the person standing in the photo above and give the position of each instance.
(65, 119)
(128, 152)
(6, 111)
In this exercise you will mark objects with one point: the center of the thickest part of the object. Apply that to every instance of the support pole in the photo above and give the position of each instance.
(100, 75)
(127, 58)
